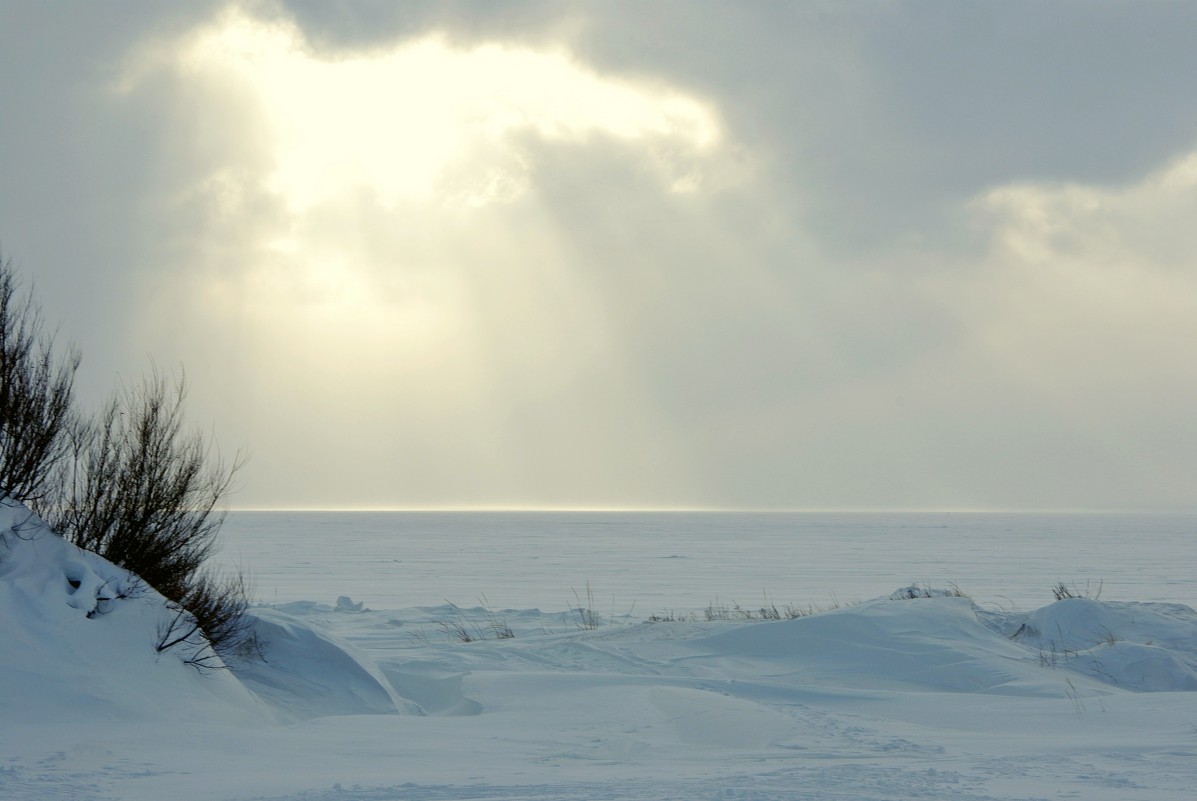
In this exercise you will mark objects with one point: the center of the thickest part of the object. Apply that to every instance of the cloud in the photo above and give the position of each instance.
(419, 119)
(371, 228)
(1069, 373)
(794, 255)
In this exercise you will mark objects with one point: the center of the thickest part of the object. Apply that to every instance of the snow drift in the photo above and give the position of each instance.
(897, 697)
(306, 672)
(80, 641)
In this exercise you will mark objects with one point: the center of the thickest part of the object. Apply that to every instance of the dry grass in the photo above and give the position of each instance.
(1063, 592)
(461, 628)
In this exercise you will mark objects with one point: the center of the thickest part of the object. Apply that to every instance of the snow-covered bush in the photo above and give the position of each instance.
(131, 484)
(78, 637)
(143, 492)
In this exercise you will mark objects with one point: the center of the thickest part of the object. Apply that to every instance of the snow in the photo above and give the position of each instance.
(1149, 647)
(74, 649)
(305, 672)
(933, 697)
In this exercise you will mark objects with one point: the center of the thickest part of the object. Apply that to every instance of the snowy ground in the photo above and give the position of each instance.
(929, 698)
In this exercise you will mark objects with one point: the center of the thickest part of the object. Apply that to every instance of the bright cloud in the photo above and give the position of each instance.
(424, 120)
(384, 246)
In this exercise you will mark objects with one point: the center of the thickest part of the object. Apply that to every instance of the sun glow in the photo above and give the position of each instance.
(349, 177)
(391, 235)
(424, 120)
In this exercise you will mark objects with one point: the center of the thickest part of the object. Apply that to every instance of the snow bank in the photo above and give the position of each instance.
(1139, 646)
(79, 639)
(941, 643)
(928, 644)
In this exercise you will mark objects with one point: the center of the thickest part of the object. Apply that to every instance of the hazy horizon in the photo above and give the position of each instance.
(1181, 511)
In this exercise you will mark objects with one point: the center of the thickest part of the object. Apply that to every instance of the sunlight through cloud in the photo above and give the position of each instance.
(397, 235)
(424, 120)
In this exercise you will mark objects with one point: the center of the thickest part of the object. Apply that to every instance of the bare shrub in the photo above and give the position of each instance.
(36, 390)
(209, 623)
(219, 602)
(143, 492)
(130, 485)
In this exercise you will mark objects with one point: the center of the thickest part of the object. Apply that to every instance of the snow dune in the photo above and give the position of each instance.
(894, 698)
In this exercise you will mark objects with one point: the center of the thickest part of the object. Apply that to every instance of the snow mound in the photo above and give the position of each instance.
(1139, 646)
(934, 641)
(920, 644)
(346, 604)
(79, 637)
(305, 672)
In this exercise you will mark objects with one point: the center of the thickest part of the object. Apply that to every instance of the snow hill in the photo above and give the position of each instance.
(79, 640)
(900, 697)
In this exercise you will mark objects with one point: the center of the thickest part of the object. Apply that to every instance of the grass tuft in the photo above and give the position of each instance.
(587, 619)
(461, 629)
(1063, 592)
(767, 611)
(925, 591)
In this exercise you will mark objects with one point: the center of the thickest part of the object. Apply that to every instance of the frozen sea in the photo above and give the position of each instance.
(642, 563)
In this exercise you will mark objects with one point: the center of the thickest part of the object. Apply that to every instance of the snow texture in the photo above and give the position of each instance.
(895, 698)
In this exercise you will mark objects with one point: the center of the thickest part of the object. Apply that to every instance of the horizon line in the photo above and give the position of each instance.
(582, 509)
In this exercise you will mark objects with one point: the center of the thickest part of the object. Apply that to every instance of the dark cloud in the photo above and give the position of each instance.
(80, 166)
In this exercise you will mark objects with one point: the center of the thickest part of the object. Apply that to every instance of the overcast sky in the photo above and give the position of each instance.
(891, 255)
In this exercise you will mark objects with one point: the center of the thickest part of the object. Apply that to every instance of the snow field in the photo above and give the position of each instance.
(930, 697)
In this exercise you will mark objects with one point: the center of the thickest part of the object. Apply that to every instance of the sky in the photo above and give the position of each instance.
(806, 255)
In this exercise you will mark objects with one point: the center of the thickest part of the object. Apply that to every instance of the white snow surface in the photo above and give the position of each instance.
(895, 698)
